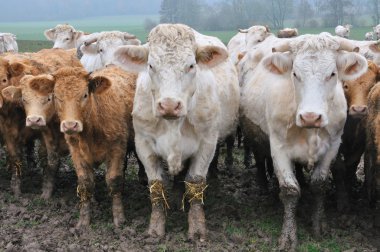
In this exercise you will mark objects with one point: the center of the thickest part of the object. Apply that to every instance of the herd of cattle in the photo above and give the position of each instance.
(308, 102)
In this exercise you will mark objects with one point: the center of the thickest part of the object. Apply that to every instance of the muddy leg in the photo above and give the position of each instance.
(85, 191)
(318, 190)
(29, 151)
(230, 146)
(50, 163)
(15, 164)
(159, 204)
(195, 188)
(115, 183)
(247, 153)
(288, 238)
(338, 170)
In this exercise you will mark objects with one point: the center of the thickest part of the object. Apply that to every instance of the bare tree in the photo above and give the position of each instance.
(304, 12)
(277, 11)
(375, 12)
(336, 11)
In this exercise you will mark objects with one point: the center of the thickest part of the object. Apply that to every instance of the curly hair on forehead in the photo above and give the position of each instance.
(63, 27)
(172, 34)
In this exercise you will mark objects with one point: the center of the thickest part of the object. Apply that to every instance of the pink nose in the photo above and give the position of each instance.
(169, 108)
(311, 120)
(35, 121)
(358, 110)
(70, 126)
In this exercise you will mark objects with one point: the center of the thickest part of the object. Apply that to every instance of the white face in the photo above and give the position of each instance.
(315, 79)
(255, 37)
(376, 30)
(64, 40)
(106, 49)
(172, 81)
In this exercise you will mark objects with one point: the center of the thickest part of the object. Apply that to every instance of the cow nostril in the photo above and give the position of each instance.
(160, 105)
(319, 118)
(179, 106)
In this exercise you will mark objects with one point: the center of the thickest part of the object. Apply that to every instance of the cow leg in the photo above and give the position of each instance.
(230, 140)
(195, 186)
(83, 164)
(14, 162)
(29, 149)
(338, 170)
(318, 186)
(156, 187)
(115, 183)
(247, 153)
(51, 166)
(289, 194)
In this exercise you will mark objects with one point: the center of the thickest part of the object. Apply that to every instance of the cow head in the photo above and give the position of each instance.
(63, 36)
(376, 30)
(106, 44)
(315, 64)
(73, 93)
(172, 63)
(255, 34)
(356, 91)
(10, 73)
(36, 95)
(8, 42)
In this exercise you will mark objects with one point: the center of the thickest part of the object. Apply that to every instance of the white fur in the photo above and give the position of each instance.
(8, 43)
(343, 31)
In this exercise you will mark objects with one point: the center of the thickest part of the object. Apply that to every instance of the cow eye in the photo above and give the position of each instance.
(4, 80)
(67, 39)
(100, 50)
(332, 74)
(295, 75)
(85, 96)
(345, 86)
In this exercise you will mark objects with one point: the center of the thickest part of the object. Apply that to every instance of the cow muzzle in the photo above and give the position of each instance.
(310, 120)
(169, 108)
(71, 127)
(35, 122)
(357, 111)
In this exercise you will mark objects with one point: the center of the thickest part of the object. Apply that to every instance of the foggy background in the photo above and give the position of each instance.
(203, 14)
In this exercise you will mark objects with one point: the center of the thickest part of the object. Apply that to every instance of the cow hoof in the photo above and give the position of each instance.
(287, 242)
(197, 223)
(83, 223)
(47, 192)
(16, 186)
(84, 215)
(119, 220)
(157, 222)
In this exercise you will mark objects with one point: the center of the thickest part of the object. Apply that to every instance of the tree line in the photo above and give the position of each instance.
(233, 14)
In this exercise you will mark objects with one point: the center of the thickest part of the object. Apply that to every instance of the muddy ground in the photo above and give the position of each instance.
(240, 217)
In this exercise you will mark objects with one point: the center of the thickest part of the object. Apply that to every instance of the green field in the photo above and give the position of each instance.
(30, 34)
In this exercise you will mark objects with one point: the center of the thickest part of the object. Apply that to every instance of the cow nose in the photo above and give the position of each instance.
(35, 121)
(70, 127)
(169, 108)
(358, 110)
(311, 120)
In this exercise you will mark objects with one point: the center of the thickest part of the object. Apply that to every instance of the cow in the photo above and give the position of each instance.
(369, 36)
(376, 31)
(245, 39)
(66, 37)
(12, 115)
(104, 45)
(295, 98)
(372, 157)
(343, 30)
(374, 47)
(8, 43)
(95, 116)
(187, 98)
(287, 33)
(354, 136)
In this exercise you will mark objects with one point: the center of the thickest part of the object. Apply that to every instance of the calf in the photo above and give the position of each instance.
(295, 97)
(95, 115)
(182, 91)
(354, 137)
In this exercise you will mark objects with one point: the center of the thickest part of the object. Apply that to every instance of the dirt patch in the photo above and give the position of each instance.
(240, 217)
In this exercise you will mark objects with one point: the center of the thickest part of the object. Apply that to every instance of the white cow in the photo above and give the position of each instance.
(104, 45)
(246, 39)
(187, 98)
(343, 30)
(370, 36)
(8, 43)
(295, 97)
(66, 37)
(376, 30)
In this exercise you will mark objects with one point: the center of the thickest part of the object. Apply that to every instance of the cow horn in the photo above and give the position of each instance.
(129, 36)
(243, 30)
(347, 46)
(90, 41)
(285, 47)
(267, 28)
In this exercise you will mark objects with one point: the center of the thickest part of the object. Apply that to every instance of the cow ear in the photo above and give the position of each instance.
(49, 34)
(350, 65)
(16, 69)
(12, 93)
(98, 84)
(278, 63)
(43, 84)
(210, 56)
(77, 35)
(132, 58)
(374, 47)
(89, 49)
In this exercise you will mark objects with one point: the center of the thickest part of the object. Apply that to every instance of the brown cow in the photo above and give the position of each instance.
(372, 159)
(12, 116)
(287, 33)
(354, 136)
(95, 117)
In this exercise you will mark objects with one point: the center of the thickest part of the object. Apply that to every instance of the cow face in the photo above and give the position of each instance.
(8, 43)
(376, 30)
(63, 38)
(10, 73)
(315, 72)
(171, 63)
(356, 91)
(36, 95)
(73, 93)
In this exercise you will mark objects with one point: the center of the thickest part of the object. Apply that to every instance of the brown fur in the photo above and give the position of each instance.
(12, 116)
(287, 33)
(106, 118)
(354, 135)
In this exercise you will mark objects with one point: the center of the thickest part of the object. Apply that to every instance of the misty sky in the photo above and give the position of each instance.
(47, 10)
